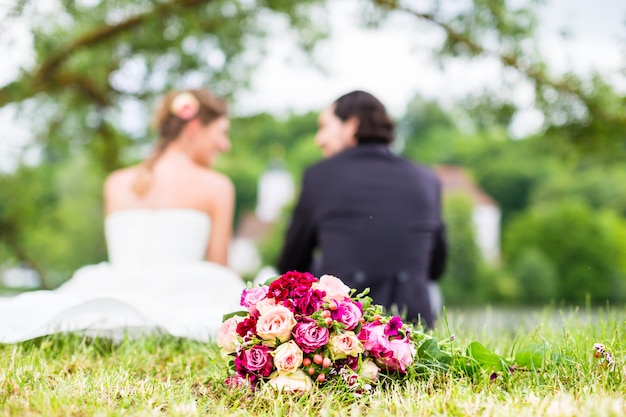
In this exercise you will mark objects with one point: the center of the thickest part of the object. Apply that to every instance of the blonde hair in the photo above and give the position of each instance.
(169, 121)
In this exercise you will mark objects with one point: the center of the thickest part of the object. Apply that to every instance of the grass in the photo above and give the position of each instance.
(68, 375)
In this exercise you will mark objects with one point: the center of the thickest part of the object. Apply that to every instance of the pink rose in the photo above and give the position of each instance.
(309, 336)
(347, 313)
(275, 323)
(287, 358)
(334, 288)
(399, 356)
(227, 335)
(296, 381)
(343, 345)
(251, 296)
(255, 361)
(374, 339)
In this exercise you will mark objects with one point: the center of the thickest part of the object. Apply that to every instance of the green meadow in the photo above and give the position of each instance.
(71, 375)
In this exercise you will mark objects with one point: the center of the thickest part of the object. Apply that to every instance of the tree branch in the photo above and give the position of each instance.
(511, 61)
(84, 85)
(47, 73)
(104, 33)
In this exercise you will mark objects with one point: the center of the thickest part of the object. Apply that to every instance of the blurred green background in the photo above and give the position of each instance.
(561, 191)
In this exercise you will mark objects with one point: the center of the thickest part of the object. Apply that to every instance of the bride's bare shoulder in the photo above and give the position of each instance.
(120, 179)
(216, 181)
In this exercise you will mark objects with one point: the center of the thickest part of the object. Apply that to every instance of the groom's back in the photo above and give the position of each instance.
(377, 213)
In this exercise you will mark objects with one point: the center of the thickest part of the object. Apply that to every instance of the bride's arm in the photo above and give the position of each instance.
(222, 212)
(114, 198)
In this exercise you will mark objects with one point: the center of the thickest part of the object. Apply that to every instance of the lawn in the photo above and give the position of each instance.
(75, 376)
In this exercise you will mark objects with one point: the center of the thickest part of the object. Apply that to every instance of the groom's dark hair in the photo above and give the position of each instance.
(375, 125)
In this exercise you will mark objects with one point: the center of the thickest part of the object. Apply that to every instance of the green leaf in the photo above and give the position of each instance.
(487, 359)
(467, 365)
(363, 293)
(270, 280)
(233, 314)
(533, 355)
(430, 351)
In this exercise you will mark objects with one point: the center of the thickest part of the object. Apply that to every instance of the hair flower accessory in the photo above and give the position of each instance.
(185, 106)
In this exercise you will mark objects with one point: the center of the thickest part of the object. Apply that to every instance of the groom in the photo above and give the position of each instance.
(374, 217)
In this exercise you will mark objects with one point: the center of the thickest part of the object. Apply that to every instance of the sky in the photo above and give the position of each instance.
(394, 63)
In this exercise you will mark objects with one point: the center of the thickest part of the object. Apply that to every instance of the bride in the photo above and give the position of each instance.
(168, 227)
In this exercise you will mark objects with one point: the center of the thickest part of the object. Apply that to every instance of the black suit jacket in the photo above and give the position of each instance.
(376, 220)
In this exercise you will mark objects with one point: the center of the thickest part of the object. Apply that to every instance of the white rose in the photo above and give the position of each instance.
(287, 358)
(296, 381)
(369, 370)
(343, 345)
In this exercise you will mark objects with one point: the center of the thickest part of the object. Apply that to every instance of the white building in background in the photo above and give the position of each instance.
(486, 215)
(487, 227)
(243, 256)
(275, 190)
(20, 277)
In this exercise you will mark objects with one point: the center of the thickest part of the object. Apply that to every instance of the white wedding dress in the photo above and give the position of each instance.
(155, 280)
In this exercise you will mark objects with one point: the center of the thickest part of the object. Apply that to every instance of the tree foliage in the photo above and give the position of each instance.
(583, 113)
(587, 247)
(260, 139)
(96, 62)
(537, 276)
(462, 281)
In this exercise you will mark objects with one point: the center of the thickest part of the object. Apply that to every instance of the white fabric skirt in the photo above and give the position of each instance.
(185, 300)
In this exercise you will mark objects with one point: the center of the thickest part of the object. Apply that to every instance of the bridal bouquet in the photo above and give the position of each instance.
(300, 330)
